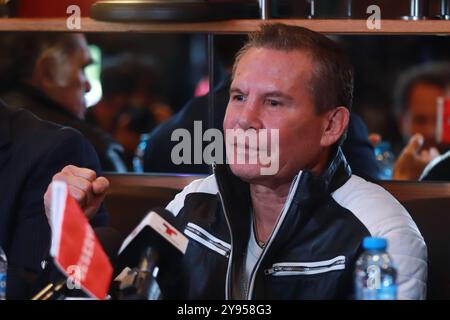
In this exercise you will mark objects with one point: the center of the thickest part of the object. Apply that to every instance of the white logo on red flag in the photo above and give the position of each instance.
(74, 244)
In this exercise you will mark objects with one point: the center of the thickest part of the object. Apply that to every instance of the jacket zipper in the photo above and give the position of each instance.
(286, 207)
(205, 238)
(227, 280)
(306, 268)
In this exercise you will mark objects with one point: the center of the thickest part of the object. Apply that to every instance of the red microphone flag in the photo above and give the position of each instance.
(75, 248)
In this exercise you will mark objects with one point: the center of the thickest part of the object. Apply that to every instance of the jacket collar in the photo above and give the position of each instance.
(302, 199)
(235, 196)
(308, 193)
(310, 189)
(36, 97)
(336, 174)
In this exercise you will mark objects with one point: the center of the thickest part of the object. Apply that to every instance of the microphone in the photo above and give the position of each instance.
(141, 283)
(154, 251)
(53, 291)
(158, 229)
(57, 288)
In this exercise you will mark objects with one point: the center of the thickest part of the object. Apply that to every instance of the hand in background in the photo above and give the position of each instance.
(413, 159)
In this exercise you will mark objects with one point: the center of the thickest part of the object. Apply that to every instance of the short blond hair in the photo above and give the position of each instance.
(332, 78)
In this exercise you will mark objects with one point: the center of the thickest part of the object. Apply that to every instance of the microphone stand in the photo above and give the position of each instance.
(51, 290)
(140, 283)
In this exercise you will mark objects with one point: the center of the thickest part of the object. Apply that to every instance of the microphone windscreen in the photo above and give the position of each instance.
(159, 230)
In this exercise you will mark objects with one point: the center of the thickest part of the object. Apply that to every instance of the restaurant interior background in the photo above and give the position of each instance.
(169, 69)
(175, 66)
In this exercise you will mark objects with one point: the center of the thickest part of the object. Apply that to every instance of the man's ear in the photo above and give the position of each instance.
(46, 71)
(336, 122)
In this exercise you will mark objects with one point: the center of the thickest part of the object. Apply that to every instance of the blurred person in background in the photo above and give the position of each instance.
(32, 151)
(129, 126)
(131, 104)
(128, 81)
(416, 97)
(44, 73)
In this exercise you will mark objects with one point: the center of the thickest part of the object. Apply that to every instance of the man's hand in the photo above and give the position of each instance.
(84, 186)
(375, 139)
(412, 160)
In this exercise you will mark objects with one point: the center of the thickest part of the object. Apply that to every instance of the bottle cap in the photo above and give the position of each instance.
(371, 243)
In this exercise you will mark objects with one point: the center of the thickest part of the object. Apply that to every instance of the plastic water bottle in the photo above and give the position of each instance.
(375, 274)
(385, 160)
(138, 159)
(3, 273)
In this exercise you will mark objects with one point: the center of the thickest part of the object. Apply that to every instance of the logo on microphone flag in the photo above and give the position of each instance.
(162, 227)
(75, 246)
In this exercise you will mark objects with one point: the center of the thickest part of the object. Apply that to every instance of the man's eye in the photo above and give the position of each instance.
(238, 97)
(273, 103)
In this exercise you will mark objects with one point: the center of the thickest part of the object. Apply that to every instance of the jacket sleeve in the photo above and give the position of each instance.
(206, 185)
(409, 252)
(383, 216)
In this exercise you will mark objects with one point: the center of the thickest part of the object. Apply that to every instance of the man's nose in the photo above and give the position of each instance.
(250, 117)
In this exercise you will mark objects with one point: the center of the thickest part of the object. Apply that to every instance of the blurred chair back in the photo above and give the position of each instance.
(131, 197)
(428, 203)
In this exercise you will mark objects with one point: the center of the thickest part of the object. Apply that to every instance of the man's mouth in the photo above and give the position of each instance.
(247, 147)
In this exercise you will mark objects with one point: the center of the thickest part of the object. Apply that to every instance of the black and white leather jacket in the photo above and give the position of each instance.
(312, 251)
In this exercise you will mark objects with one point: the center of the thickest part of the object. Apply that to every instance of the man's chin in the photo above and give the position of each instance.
(246, 172)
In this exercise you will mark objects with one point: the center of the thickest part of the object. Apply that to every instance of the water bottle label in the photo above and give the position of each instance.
(373, 277)
(386, 293)
(2, 285)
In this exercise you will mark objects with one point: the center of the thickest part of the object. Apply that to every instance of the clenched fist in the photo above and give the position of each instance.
(84, 186)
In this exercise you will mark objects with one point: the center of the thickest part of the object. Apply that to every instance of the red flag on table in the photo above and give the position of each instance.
(75, 248)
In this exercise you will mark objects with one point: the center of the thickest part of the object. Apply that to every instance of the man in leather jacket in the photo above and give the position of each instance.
(294, 232)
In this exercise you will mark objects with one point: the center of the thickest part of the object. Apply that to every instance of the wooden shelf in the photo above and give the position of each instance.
(231, 26)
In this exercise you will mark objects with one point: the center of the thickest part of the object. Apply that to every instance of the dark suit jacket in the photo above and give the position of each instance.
(31, 153)
(24, 96)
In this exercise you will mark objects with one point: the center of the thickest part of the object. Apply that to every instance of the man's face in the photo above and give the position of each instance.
(421, 112)
(270, 90)
(70, 87)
